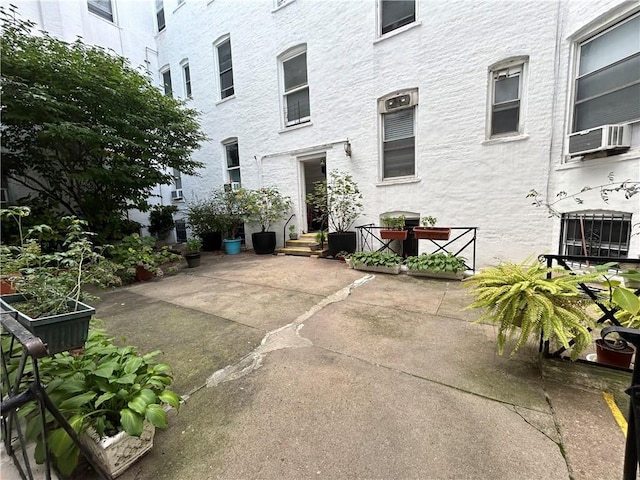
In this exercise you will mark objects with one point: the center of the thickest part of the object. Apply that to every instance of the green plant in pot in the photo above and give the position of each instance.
(161, 221)
(230, 207)
(263, 207)
(140, 260)
(338, 200)
(293, 235)
(436, 265)
(393, 228)
(428, 230)
(525, 304)
(104, 390)
(382, 262)
(203, 218)
(192, 252)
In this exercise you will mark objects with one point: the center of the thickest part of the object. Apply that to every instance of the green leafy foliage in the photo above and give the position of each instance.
(337, 201)
(194, 245)
(376, 259)
(106, 387)
(222, 211)
(265, 206)
(524, 302)
(393, 223)
(428, 221)
(134, 251)
(84, 130)
(161, 220)
(436, 262)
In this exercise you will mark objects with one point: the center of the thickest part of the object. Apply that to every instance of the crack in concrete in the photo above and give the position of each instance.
(287, 336)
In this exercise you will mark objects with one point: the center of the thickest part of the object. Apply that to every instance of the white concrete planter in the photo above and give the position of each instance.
(395, 270)
(446, 275)
(119, 452)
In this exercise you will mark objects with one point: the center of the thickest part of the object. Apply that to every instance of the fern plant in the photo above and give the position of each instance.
(524, 302)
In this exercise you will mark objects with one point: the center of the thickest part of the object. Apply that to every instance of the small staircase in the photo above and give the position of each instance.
(305, 246)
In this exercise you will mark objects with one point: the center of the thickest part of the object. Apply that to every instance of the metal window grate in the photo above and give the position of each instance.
(595, 234)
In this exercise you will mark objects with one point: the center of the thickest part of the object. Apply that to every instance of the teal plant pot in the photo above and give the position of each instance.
(232, 246)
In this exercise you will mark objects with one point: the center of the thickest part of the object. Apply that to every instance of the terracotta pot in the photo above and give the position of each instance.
(616, 354)
(142, 274)
(434, 233)
(6, 284)
(394, 234)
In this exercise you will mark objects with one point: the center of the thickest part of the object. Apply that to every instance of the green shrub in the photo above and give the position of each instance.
(376, 259)
(436, 262)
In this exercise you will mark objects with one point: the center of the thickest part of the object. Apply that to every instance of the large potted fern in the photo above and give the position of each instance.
(523, 302)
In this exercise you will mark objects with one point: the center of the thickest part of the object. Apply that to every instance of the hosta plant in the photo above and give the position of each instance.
(524, 302)
(107, 387)
(376, 259)
(436, 262)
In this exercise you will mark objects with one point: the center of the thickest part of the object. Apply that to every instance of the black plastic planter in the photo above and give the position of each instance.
(211, 241)
(341, 242)
(264, 242)
(193, 260)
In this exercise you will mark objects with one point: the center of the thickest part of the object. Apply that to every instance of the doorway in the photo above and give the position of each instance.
(314, 171)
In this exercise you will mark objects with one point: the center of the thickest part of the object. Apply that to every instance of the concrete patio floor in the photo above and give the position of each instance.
(296, 368)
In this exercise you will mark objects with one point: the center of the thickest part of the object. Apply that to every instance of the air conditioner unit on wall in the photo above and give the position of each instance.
(176, 194)
(600, 139)
(235, 186)
(398, 101)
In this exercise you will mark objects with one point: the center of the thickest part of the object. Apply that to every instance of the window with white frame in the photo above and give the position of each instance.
(607, 84)
(225, 67)
(595, 234)
(295, 86)
(395, 14)
(176, 193)
(166, 82)
(398, 113)
(160, 15)
(506, 86)
(102, 8)
(186, 77)
(233, 161)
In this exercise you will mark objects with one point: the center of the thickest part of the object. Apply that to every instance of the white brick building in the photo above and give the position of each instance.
(285, 85)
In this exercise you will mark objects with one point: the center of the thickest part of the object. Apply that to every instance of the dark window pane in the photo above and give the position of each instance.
(233, 159)
(506, 89)
(234, 175)
(397, 13)
(615, 107)
(505, 118)
(160, 19)
(295, 72)
(399, 158)
(398, 124)
(166, 80)
(598, 235)
(298, 105)
(102, 8)
(226, 80)
(224, 56)
(610, 78)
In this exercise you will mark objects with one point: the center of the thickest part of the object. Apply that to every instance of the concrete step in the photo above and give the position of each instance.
(303, 252)
(302, 243)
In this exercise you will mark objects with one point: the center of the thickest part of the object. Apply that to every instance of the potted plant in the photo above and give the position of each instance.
(203, 218)
(428, 230)
(50, 295)
(394, 228)
(161, 221)
(321, 239)
(525, 303)
(140, 260)
(293, 235)
(338, 201)
(230, 217)
(377, 262)
(112, 396)
(436, 265)
(263, 207)
(192, 252)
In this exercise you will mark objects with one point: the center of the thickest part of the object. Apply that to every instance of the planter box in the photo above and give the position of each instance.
(395, 270)
(119, 452)
(66, 331)
(394, 234)
(446, 275)
(434, 233)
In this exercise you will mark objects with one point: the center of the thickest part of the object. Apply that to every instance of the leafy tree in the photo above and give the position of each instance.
(85, 131)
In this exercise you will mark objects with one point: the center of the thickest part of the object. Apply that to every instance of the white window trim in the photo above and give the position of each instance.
(164, 69)
(512, 62)
(113, 14)
(164, 15)
(225, 143)
(282, 58)
(585, 34)
(382, 180)
(404, 28)
(185, 63)
(219, 41)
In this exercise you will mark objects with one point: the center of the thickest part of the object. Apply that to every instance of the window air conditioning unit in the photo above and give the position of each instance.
(176, 194)
(398, 101)
(235, 186)
(600, 139)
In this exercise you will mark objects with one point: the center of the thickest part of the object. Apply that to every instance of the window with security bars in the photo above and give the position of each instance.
(595, 234)
(225, 69)
(396, 13)
(102, 8)
(296, 89)
(506, 91)
(398, 143)
(607, 84)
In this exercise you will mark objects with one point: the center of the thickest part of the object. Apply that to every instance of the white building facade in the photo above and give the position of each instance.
(447, 109)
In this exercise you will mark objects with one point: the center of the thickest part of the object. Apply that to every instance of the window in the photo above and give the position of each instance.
(103, 8)
(177, 179)
(180, 2)
(595, 234)
(506, 80)
(607, 85)
(396, 13)
(160, 15)
(225, 68)
(295, 87)
(166, 82)
(233, 161)
(398, 133)
(186, 75)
